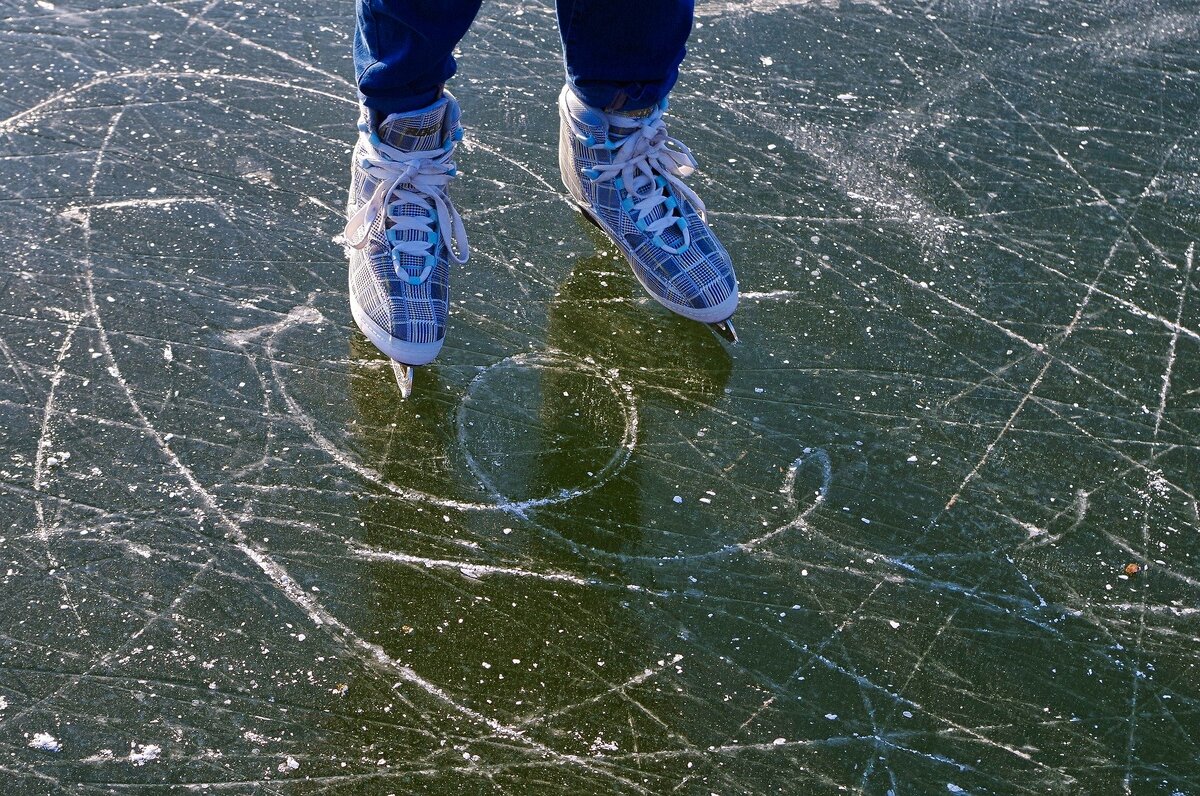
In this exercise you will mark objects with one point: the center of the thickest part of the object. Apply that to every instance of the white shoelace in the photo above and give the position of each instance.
(425, 175)
(640, 159)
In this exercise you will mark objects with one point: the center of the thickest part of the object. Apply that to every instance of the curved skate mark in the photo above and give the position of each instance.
(307, 314)
(788, 490)
(553, 359)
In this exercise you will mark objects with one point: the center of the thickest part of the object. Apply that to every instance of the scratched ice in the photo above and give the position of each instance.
(930, 529)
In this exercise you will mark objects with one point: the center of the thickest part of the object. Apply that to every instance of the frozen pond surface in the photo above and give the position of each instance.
(931, 529)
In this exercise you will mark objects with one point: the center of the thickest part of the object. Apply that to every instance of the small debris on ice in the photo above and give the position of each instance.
(46, 742)
(779, 741)
(677, 499)
(144, 753)
(602, 745)
(291, 764)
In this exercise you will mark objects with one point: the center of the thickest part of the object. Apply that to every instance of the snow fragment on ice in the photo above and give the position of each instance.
(46, 742)
(600, 744)
(143, 753)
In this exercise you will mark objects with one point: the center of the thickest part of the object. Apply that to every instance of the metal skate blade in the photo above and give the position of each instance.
(404, 378)
(588, 215)
(726, 330)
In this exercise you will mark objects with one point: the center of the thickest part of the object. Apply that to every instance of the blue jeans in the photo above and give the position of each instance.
(620, 54)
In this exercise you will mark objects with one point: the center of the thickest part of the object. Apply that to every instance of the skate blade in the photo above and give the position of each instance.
(725, 329)
(588, 215)
(404, 378)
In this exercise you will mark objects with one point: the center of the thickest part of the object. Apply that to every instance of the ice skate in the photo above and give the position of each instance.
(626, 176)
(403, 233)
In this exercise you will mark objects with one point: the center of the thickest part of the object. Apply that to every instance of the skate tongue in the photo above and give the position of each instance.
(417, 131)
(622, 124)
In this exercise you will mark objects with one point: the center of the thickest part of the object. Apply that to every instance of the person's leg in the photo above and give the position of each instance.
(402, 51)
(623, 55)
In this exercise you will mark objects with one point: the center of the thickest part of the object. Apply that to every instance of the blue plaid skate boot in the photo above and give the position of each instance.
(403, 232)
(626, 175)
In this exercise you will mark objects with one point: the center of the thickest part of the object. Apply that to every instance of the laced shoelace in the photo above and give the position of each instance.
(650, 166)
(410, 178)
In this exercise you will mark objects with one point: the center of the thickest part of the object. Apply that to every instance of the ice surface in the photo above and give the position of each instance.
(931, 528)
